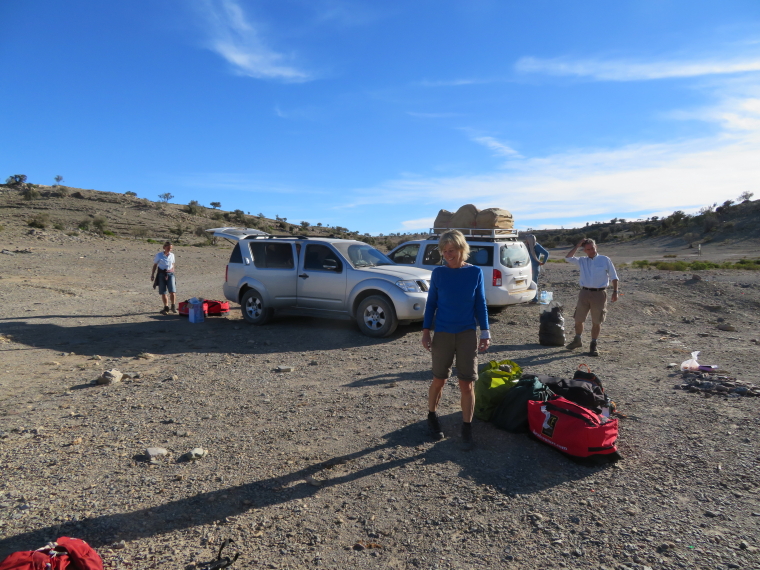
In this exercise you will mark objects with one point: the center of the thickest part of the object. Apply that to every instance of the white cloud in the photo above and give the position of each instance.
(500, 149)
(233, 37)
(598, 184)
(420, 223)
(627, 70)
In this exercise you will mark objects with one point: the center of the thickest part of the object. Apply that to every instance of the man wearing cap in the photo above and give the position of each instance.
(596, 273)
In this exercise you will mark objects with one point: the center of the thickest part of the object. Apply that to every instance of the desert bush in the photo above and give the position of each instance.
(745, 196)
(165, 197)
(40, 221)
(215, 205)
(194, 208)
(217, 216)
(710, 222)
(671, 265)
(304, 225)
(139, 232)
(238, 216)
(179, 230)
(752, 264)
(670, 255)
(108, 233)
(59, 226)
(16, 180)
(72, 234)
(130, 193)
(62, 191)
(84, 225)
(30, 193)
(58, 179)
(640, 263)
(151, 240)
(100, 223)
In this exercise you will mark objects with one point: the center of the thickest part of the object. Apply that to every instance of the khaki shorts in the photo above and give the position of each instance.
(594, 302)
(463, 345)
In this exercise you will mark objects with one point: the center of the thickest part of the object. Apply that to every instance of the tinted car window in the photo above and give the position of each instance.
(432, 255)
(481, 255)
(272, 255)
(514, 255)
(317, 256)
(236, 256)
(407, 254)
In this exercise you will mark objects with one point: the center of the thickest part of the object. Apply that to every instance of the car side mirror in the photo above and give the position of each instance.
(330, 265)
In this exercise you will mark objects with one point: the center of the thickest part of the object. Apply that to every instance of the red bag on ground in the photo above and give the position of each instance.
(571, 428)
(64, 554)
(210, 307)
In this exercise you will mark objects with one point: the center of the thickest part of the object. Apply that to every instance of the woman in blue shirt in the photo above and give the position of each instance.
(457, 301)
(536, 261)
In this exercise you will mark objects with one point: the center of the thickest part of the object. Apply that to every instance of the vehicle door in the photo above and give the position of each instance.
(431, 256)
(322, 278)
(275, 267)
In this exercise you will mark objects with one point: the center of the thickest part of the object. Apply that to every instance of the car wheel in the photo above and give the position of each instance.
(253, 308)
(376, 317)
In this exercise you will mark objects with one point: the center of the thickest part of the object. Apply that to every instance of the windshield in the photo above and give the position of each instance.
(362, 255)
(514, 255)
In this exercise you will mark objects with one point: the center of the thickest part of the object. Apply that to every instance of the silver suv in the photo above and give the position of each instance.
(323, 277)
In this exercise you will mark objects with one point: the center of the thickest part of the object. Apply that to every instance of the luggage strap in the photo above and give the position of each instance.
(554, 408)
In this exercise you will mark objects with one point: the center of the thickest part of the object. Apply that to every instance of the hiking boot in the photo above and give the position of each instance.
(165, 311)
(576, 343)
(593, 349)
(467, 443)
(434, 426)
(174, 308)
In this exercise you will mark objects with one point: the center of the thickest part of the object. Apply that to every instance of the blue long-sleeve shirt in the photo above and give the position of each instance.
(457, 299)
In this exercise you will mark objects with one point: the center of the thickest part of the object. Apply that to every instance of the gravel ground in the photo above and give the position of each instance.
(329, 465)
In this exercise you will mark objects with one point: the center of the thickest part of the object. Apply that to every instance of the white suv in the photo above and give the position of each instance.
(322, 277)
(503, 257)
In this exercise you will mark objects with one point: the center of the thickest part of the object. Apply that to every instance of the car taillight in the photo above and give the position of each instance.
(226, 269)
(496, 278)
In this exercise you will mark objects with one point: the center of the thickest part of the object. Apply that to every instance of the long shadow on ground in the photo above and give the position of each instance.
(521, 474)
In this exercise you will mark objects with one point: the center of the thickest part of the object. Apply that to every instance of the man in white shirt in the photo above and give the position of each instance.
(596, 273)
(165, 280)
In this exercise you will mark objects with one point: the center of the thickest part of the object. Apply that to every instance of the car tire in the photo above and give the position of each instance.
(376, 317)
(253, 308)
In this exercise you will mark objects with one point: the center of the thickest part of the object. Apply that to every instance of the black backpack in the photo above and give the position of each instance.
(585, 389)
(512, 413)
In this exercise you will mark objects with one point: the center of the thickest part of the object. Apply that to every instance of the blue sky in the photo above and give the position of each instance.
(374, 115)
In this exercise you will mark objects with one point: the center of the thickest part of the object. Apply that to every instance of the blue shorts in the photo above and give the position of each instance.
(166, 282)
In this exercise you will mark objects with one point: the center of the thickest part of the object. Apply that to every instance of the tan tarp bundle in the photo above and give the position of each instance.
(443, 219)
(495, 218)
(468, 216)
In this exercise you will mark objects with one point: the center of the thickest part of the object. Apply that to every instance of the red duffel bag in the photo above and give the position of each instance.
(210, 307)
(571, 428)
(64, 554)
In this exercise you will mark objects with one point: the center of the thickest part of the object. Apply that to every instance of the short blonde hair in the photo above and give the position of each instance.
(455, 238)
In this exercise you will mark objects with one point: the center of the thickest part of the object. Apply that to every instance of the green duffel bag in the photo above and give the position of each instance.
(512, 412)
(494, 381)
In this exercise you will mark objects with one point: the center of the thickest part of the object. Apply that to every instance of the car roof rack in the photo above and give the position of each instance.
(477, 233)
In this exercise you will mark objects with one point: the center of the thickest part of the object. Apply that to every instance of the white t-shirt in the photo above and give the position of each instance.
(164, 261)
(596, 273)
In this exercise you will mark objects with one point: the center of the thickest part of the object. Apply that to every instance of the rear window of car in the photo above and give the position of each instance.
(514, 255)
(272, 255)
(236, 256)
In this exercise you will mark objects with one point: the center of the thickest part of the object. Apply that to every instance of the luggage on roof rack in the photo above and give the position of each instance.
(477, 233)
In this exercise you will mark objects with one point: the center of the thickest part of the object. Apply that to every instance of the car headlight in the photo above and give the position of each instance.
(409, 286)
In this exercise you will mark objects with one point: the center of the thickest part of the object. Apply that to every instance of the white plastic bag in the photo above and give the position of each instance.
(692, 363)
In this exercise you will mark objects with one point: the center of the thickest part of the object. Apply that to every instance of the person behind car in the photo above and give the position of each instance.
(165, 280)
(457, 301)
(538, 257)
